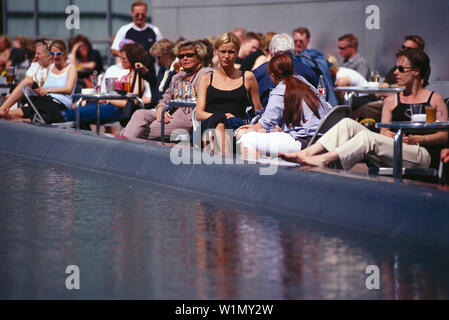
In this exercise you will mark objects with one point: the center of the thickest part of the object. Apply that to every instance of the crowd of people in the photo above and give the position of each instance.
(275, 74)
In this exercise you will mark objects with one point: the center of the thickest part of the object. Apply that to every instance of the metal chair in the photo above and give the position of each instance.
(28, 93)
(334, 116)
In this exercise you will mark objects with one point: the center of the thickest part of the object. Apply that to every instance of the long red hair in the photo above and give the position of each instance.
(296, 91)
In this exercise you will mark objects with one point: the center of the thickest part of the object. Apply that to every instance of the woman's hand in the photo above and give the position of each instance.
(445, 155)
(141, 67)
(414, 139)
(167, 117)
(41, 92)
(229, 115)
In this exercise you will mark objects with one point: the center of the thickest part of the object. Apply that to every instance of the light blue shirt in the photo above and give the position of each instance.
(59, 81)
(274, 113)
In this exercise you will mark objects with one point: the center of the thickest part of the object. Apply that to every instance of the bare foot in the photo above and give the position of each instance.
(291, 157)
(316, 161)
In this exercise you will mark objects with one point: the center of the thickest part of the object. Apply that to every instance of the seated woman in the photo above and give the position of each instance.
(85, 58)
(110, 111)
(146, 124)
(223, 96)
(56, 93)
(294, 110)
(349, 142)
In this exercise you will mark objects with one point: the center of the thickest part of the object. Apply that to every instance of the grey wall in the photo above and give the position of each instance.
(327, 20)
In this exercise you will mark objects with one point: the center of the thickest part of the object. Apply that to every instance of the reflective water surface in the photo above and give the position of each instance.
(136, 240)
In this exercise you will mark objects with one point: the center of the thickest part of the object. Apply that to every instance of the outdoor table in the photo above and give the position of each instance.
(409, 127)
(175, 104)
(101, 96)
(352, 91)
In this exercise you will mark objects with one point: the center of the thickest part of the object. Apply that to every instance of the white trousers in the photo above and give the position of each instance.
(353, 143)
(270, 143)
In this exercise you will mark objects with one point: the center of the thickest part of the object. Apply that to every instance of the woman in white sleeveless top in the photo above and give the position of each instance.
(56, 93)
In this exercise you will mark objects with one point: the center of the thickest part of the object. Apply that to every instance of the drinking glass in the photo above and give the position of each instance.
(110, 85)
(375, 76)
(10, 75)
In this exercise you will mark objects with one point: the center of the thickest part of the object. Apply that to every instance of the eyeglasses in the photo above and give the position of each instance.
(342, 48)
(401, 69)
(57, 54)
(188, 55)
(140, 15)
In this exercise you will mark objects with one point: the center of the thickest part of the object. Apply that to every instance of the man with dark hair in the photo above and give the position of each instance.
(315, 60)
(347, 48)
(301, 37)
(249, 52)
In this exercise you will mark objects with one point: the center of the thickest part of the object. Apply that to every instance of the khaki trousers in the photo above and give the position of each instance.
(144, 124)
(354, 143)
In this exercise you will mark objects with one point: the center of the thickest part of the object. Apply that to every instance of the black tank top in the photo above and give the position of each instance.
(401, 112)
(233, 101)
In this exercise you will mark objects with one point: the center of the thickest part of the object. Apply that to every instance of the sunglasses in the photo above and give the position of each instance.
(57, 54)
(140, 15)
(188, 55)
(401, 69)
(342, 48)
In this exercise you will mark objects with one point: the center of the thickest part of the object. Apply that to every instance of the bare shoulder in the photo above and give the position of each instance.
(437, 98)
(390, 102)
(250, 78)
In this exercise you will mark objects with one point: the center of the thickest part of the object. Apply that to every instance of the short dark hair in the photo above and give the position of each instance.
(419, 60)
(251, 36)
(416, 39)
(302, 30)
(350, 39)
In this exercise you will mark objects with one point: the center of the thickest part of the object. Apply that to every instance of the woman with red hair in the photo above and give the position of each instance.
(292, 116)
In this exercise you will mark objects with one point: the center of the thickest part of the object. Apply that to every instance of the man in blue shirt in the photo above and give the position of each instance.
(281, 43)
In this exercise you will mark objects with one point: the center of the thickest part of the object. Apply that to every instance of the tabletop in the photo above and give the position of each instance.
(369, 90)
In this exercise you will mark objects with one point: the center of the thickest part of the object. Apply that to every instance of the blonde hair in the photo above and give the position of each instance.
(199, 47)
(334, 68)
(227, 37)
(163, 47)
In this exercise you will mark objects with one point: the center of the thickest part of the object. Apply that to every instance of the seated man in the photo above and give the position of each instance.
(146, 124)
(278, 44)
(36, 74)
(249, 52)
(314, 59)
(347, 48)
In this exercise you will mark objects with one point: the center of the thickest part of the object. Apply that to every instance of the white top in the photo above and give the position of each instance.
(117, 71)
(356, 79)
(36, 72)
(121, 34)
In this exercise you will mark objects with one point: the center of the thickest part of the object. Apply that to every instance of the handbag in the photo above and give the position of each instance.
(131, 105)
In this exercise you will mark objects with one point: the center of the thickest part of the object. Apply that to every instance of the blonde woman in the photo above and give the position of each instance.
(223, 95)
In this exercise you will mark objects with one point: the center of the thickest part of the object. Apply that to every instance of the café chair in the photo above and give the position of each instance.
(28, 92)
(334, 116)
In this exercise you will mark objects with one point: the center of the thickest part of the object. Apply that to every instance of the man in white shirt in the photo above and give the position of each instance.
(37, 73)
(140, 32)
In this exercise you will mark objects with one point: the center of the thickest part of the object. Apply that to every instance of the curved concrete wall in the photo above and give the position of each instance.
(416, 213)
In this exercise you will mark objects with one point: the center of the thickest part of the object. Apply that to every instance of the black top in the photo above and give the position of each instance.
(233, 101)
(400, 111)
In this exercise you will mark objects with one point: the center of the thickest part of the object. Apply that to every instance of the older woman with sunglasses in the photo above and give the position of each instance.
(56, 93)
(146, 124)
(349, 142)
